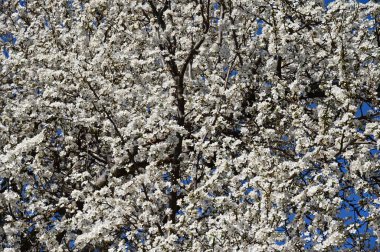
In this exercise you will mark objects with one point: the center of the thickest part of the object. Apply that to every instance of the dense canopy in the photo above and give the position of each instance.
(189, 125)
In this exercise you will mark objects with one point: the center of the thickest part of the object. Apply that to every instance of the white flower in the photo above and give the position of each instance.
(312, 190)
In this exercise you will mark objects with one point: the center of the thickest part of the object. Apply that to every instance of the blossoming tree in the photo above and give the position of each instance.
(197, 125)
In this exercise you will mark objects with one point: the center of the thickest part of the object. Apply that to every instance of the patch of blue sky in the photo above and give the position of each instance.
(312, 105)
(50, 227)
(204, 212)
(8, 38)
(260, 29)
(280, 242)
(23, 3)
(125, 231)
(181, 239)
(327, 2)
(70, 3)
(187, 180)
(375, 153)
(215, 20)
(243, 181)
(31, 228)
(95, 23)
(367, 238)
(24, 192)
(308, 238)
(166, 176)
(72, 244)
(291, 217)
(180, 212)
(268, 84)
(343, 164)
(35, 185)
(211, 195)
(56, 217)
(232, 73)
(46, 23)
(148, 109)
(248, 190)
(283, 229)
(141, 236)
(213, 171)
(6, 53)
(30, 213)
(367, 110)
(168, 190)
(70, 6)
(363, 109)
(199, 211)
(39, 91)
(350, 210)
(129, 247)
(59, 133)
(308, 219)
